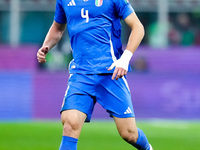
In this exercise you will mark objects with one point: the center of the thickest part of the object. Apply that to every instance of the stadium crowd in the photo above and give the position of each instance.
(183, 29)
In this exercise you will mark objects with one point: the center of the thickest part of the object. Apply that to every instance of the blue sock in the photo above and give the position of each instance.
(68, 143)
(142, 142)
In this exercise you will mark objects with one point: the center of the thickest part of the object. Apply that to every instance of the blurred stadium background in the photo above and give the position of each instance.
(165, 81)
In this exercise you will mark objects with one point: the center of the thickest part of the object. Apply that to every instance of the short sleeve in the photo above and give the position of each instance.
(123, 8)
(60, 16)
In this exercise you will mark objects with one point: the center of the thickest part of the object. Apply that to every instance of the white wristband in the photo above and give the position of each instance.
(126, 56)
(123, 61)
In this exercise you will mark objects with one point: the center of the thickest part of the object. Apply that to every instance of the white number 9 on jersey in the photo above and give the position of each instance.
(85, 15)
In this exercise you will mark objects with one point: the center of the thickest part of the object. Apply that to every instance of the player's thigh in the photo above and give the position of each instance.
(126, 126)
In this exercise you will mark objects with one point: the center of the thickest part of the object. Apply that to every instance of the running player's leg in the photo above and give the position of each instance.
(129, 132)
(77, 108)
(72, 121)
(115, 97)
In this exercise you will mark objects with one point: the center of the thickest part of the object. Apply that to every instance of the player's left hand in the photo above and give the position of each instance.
(121, 65)
(119, 71)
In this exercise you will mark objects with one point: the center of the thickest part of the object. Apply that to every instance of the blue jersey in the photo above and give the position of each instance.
(94, 29)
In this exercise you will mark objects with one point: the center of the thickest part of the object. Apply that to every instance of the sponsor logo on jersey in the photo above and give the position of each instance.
(73, 66)
(72, 3)
(98, 3)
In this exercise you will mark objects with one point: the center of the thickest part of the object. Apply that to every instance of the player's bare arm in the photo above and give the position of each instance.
(52, 38)
(137, 32)
(135, 38)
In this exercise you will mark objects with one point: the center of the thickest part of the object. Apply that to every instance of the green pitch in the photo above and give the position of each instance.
(98, 136)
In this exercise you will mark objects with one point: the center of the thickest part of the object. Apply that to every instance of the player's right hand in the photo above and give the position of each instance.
(41, 54)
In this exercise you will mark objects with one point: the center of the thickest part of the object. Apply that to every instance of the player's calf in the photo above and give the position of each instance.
(142, 142)
(129, 136)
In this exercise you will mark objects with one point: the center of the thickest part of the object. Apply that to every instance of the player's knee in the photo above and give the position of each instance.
(129, 136)
(70, 126)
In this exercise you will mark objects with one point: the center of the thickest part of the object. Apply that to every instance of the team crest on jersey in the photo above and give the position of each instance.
(127, 1)
(98, 3)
